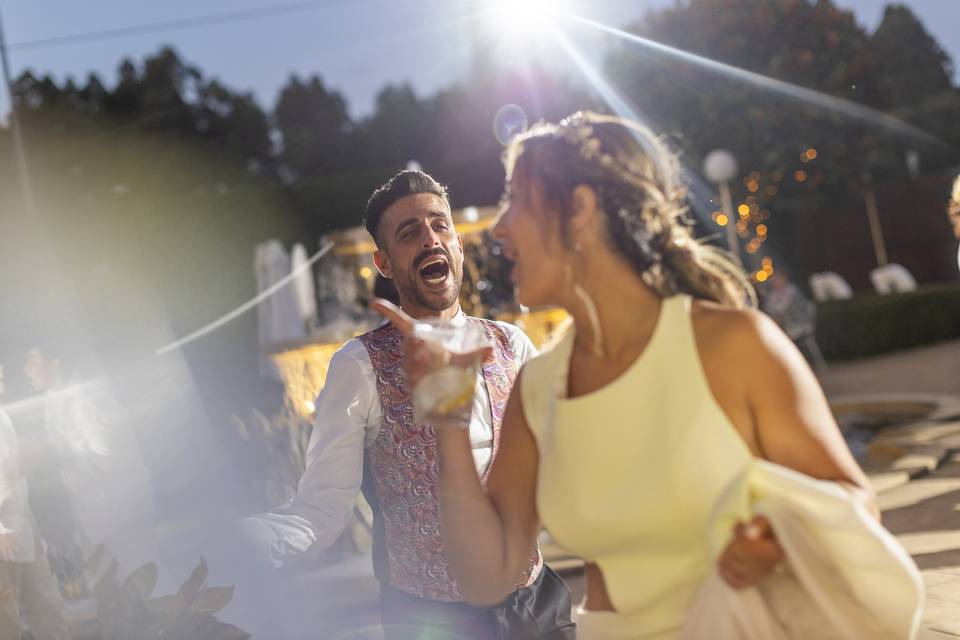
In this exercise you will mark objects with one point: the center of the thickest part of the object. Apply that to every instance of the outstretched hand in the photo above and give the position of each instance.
(752, 555)
(422, 357)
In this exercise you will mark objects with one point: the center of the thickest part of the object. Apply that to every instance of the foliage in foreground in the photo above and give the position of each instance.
(126, 610)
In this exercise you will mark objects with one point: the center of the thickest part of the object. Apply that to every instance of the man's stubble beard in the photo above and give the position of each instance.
(409, 289)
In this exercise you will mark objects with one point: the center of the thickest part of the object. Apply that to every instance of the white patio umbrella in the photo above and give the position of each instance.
(304, 286)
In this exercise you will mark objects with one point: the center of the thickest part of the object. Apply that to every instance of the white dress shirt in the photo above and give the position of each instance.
(15, 517)
(348, 419)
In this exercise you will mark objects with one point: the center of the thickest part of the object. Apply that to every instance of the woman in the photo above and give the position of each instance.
(621, 436)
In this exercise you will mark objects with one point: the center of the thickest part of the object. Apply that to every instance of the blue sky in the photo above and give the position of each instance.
(356, 46)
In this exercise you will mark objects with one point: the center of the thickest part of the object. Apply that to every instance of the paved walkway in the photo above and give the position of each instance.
(924, 513)
(934, 369)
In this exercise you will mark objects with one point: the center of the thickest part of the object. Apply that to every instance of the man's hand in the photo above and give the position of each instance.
(751, 556)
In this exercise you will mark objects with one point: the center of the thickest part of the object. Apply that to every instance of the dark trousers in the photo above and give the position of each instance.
(541, 610)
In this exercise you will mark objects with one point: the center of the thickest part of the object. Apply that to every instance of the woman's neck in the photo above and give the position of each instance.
(626, 309)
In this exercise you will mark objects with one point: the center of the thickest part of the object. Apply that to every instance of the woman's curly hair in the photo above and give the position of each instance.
(638, 185)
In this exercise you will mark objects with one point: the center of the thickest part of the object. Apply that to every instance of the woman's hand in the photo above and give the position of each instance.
(419, 356)
(751, 556)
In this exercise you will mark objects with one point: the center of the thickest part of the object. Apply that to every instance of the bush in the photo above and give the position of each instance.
(127, 611)
(870, 325)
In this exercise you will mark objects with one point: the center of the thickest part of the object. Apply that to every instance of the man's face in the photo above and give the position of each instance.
(40, 370)
(422, 252)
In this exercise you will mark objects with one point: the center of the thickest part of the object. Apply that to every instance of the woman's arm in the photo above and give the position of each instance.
(489, 534)
(792, 426)
(793, 421)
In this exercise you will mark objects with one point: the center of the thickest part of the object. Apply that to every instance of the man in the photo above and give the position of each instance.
(28, 591)
(365, 438)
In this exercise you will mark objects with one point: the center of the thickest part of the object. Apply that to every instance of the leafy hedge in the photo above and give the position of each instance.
(869, 325)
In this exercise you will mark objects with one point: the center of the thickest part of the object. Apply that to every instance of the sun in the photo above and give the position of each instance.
(519, 20)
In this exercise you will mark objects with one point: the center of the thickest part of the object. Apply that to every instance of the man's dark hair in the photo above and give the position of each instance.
(384, 288)
(406, 183)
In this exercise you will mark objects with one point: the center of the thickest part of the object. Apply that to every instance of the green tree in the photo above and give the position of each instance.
(914, 75)
(811, 44)
(315, 126)
(911, 65)
(402, 128)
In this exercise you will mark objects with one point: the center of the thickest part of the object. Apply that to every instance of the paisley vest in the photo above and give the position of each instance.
(401, 470)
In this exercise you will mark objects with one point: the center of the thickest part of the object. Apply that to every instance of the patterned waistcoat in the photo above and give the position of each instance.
(401, 470)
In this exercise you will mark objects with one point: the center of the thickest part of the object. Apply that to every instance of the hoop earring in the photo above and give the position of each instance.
(591, 308)
(593, 316)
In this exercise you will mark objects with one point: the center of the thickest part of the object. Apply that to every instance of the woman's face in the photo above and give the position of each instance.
(531, 237)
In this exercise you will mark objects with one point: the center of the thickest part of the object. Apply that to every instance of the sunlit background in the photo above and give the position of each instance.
(181, 186)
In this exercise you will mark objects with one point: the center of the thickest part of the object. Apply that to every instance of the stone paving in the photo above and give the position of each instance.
(915, 468)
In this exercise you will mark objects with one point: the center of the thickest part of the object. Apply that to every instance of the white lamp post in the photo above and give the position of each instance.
(720, 167)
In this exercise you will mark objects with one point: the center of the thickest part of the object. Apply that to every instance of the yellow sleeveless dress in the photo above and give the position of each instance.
(629, 474)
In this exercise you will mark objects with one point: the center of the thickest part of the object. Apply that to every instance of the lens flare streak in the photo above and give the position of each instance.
(250, 304)
(831, 103)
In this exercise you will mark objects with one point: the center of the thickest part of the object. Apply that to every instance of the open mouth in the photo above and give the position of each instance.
(434, 271)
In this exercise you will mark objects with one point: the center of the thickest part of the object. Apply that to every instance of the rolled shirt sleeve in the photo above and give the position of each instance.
(348, 419)
(323, 505)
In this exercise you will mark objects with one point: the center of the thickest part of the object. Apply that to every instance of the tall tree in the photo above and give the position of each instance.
(911, 65)
(315, 126)
(914, 75)
(402, 128)
(795, 155)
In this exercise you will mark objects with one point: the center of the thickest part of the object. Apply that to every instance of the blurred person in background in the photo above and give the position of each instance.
(795, 314)
(97, 456)
(953, 211)
(29, 593)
